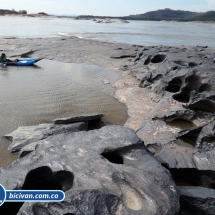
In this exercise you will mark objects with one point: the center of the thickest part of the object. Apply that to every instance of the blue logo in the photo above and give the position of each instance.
(30, 195)
(2, 194)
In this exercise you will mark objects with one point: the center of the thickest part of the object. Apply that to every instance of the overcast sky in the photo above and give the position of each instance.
(105, 7)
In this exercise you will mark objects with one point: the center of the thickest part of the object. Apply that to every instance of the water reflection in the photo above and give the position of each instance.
(189, 142)
(39, 94)
(181, 123)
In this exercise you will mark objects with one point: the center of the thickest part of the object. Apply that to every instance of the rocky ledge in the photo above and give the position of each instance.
(105, 171)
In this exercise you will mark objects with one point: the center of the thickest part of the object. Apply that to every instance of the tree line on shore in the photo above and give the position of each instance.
(164, 14)
(4, 12)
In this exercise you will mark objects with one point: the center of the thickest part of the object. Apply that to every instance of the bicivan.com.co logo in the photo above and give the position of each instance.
(30, 195)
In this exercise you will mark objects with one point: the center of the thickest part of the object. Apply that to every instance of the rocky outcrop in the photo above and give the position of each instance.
(28, 134)
(178, 129)
(84, 118)
(170, 132)
(179, 73)
(197, 200)
(113, 174)
(206, 138)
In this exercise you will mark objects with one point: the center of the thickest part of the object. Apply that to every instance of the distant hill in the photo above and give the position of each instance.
(207, 16)
(164, 14)
(178, 15)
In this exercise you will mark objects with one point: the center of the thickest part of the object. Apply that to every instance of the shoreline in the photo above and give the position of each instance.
(90, 19)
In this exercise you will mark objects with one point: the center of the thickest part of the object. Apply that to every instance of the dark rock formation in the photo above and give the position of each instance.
(181, 80)
(113, 174)
(206, 138)
(28, 134)
(183, 72)
(41, 178)
(83, 118)
(197, 200)
(193, 177)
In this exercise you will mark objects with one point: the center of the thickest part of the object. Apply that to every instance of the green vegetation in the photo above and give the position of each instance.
(8, 12)
(166, 14)
(23, 11)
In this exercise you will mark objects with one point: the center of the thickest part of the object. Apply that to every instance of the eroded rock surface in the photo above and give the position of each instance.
(206, 138)
(186, 73)
(28, 134)
(113, 174)
(197, 200)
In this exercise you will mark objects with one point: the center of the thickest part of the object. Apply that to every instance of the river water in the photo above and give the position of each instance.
(134, 32)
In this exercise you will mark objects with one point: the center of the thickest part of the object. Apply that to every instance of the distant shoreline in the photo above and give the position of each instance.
(82, 18)
(166, 14)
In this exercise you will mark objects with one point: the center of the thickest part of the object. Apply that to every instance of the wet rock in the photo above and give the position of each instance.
(206, 138)
(197, 200)
(114, 174)
(83, 118)
(28, 134)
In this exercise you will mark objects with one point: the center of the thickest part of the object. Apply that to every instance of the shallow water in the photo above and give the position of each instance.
(181, 123)
(189, 142)
(134, 32)
(39, 94)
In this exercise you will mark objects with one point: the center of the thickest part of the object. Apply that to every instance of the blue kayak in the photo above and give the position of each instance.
(21, 62)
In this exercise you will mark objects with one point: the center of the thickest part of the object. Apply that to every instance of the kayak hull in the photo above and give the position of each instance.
(22, 62)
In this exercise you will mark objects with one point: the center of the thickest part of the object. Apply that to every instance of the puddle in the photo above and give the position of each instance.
(189, 142)
(182, 124)
(50, 90)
